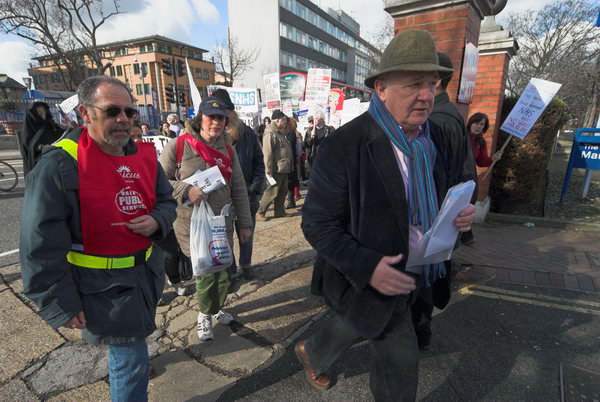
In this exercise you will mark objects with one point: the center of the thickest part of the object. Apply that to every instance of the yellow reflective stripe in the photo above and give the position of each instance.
(69, 146)
(96, 262)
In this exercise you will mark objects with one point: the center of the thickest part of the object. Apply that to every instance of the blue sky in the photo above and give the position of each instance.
(201, 23)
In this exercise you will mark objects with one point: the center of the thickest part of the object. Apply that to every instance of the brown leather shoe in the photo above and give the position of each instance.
(321, 382)
(261, 217)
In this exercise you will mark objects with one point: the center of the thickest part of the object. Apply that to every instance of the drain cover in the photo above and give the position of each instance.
(577, 384)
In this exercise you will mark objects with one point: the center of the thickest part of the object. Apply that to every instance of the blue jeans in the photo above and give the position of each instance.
(128, 365)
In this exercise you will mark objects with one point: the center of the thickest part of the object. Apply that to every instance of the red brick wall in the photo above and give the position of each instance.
(492, 72)
(450, 28)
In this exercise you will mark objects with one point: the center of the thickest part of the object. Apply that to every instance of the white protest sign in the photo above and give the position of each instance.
(318, 84)
(272, 94)
(533, 101)
(350, 111)
(69, 104)
(159, 141)
(244, 99)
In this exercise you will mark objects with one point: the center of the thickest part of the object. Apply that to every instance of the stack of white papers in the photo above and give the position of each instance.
(437, 244)
(208, 180)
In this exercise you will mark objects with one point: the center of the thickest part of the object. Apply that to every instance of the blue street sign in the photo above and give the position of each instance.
(585, 154)
(598, 20)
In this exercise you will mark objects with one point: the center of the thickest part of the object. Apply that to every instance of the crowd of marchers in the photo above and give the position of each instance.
(375, 186)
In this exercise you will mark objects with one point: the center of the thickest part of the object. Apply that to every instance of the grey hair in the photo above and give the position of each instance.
(319, 115)
(173, 115)
(86, 91)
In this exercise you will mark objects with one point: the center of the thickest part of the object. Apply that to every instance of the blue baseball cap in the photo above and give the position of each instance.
(213, 105)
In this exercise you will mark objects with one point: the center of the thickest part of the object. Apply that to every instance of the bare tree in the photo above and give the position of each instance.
(63, 30)
(232, 60)
(559, 43)
(380, 38)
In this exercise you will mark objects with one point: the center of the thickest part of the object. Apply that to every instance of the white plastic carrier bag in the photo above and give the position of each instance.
(209, 248)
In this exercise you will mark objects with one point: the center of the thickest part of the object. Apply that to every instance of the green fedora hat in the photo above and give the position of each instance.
(409, 51)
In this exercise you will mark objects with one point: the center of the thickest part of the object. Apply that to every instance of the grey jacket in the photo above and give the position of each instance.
(119, 304)
(277, 150)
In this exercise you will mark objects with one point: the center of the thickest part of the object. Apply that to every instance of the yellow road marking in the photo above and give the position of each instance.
(537, 296)
(467, 291)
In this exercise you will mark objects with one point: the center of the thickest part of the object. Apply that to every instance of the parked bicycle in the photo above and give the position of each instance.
(8, 176)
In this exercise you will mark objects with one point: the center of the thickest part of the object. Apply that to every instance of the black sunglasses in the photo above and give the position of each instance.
(114, 111)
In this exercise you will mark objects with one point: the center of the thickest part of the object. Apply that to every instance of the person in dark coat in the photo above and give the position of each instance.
(314, 136)
(40, 130)
(250, 156)
(93, 205)
(293, 177)
(452, 130)
(363, 223)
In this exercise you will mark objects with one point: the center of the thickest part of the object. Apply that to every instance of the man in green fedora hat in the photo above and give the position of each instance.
(376, 188)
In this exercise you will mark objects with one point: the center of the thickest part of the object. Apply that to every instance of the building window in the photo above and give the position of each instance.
(146, 88)
(138, 89)
(301, 62)
(198, 73)
(169, 50)
(143, 49)
(136, 68)
(119, 71)
(206, 76)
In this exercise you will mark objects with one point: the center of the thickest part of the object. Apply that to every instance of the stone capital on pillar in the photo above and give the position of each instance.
(400, 8)
(494, 39)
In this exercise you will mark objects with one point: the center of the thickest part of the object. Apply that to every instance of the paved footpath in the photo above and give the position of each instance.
(273, 309)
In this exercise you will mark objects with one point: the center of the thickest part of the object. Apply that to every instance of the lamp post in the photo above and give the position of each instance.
(28, 81)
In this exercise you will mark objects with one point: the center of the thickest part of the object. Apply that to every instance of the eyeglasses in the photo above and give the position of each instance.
(114, 111)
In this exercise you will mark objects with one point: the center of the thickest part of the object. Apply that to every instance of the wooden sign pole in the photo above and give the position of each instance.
(489, 172)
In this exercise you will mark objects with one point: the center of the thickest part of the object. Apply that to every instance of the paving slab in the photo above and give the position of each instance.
(184, 321)
(229, 351)
(16, 390)
(278, 309)
(99, 391)
(181, 378)
(25, 336)
(70, 366)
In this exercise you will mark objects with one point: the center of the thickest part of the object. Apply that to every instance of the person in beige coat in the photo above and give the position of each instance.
(279, 157)
(207, 135)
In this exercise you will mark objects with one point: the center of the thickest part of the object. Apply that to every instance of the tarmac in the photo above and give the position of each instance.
(273, 309)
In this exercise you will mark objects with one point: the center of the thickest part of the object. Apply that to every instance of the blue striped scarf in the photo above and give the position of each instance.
(422, 196)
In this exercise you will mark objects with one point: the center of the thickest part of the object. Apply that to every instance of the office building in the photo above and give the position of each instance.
(295, 35)
(138, 63)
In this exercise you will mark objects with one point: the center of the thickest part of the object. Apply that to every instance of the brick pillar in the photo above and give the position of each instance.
(496, 47)
(451, 23)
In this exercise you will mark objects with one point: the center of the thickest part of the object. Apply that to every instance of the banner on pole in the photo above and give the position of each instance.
(196, 98)
(532, 103)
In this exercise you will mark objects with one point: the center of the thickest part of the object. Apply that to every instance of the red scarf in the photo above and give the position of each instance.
(211, 156)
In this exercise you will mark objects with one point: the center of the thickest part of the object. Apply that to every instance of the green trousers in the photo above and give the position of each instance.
(211, 291)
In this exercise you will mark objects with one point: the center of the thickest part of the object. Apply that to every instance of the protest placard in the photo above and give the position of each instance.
(318, 84)
(69, 104)
(272, 95)
(158, 140)
(531, 104)
(533, 101)
(244, 99)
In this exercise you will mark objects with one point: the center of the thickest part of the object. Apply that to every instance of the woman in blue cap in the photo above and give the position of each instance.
(202, 145)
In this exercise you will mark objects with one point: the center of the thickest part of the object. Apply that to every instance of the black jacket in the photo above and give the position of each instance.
(37, 133)
(311, 145)
(451, 123)
(356, 213)
(250, 156)
(119, 304)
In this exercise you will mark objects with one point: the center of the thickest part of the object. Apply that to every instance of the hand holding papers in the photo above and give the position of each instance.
(271, 180)
(437, 244)
(208, 180)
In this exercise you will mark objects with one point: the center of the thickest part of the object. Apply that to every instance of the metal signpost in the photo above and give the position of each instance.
(585, 154)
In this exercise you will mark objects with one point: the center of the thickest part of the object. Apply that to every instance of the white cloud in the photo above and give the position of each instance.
(173, 19)
(17, 56)
(206, 11)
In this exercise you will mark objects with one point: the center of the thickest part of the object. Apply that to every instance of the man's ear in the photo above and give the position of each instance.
(379, 86)
(85, 114)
